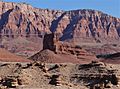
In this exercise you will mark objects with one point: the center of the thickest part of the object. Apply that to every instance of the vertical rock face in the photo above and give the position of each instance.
(48, 42)
(90, 25)
(22, 21)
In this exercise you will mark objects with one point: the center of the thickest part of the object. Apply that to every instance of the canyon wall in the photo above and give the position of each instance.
(22, 21)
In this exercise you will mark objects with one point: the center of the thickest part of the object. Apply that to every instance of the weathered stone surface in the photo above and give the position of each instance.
(53, 49)
(25, 20)
(74, 76)
(22, 27)
(96, 75)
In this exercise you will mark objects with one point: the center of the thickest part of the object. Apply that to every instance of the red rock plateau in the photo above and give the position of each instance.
(22, 28)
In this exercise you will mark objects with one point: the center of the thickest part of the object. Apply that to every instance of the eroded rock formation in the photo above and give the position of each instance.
(95, 75)
(55, 51)
(19, 21)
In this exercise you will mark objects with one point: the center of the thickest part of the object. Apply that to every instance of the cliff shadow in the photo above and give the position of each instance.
(55, 23)
(4, 18)
(68, 32)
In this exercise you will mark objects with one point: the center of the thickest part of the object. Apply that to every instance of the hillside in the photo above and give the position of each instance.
(6, 56)
(18, 20)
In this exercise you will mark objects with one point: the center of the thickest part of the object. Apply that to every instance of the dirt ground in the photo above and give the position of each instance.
(7, 56)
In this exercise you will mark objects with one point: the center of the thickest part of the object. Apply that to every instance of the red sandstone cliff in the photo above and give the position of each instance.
(21, 21)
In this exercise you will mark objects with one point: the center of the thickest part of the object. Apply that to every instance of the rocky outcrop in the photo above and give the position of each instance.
(48, 42)
(18, 19)
(22, 21)
(95, 75)
(98, 75)
(53, 49)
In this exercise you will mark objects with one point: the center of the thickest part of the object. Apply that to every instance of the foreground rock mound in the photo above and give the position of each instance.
(44, 55)
(95, 75)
